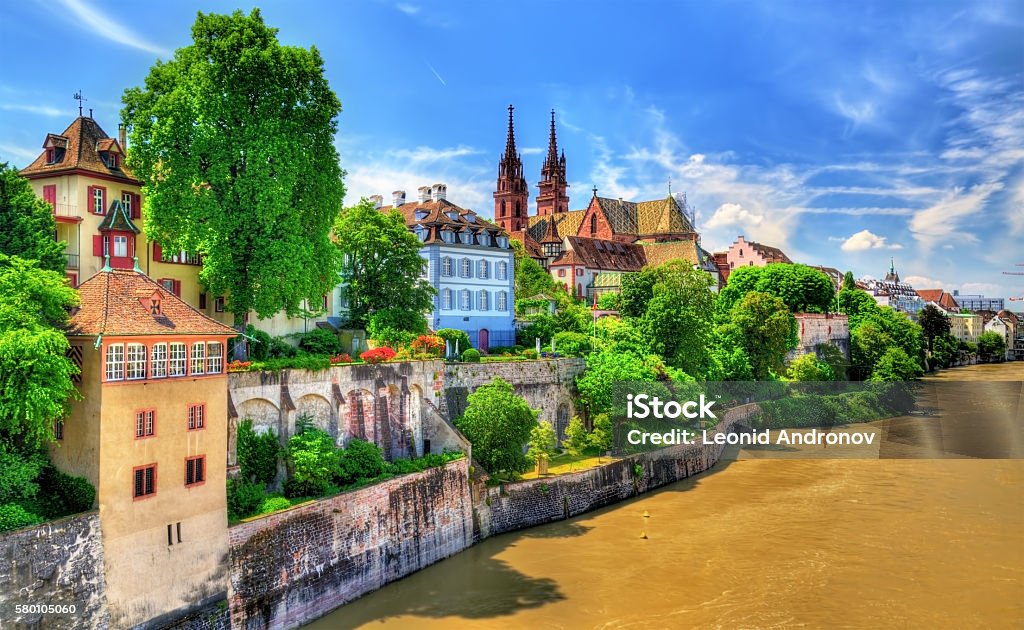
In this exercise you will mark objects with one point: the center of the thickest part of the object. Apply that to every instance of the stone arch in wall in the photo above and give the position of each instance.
(264, 414)
(319, 409)
(358, 416)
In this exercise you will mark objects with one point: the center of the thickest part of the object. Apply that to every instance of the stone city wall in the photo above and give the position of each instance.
(815, 329)
(294, 566)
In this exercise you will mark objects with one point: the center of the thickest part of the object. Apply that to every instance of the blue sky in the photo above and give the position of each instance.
(845, 133)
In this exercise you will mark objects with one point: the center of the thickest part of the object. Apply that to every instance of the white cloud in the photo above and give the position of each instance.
(100, 24)
(430, 154)
(42, 110)
(924, 282)
(408, 9)
(733, 215)
(10, 151)
(531, 150)
(865, 240)
(942, 221)
(1015, 209)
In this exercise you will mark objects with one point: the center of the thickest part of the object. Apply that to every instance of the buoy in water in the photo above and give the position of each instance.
(647, 514)
(643, 535)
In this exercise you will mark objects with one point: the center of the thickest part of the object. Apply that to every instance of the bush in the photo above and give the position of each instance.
(340, 359)
(471, 356)
(64, 494)
(259, 343)
(400, 320)
(609, 301)
(257, 454)
(310, 362)
(281, 349)
(312, 463)
(13, 516)
(19, 473)
(320, 341)
(273, 504)
(530, 353)
(360, 460)
(244, 498)
(572, 343)
(453, 335)
(378, 355)
(428, 344)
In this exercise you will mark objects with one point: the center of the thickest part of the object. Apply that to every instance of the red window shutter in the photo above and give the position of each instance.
(90, 197)
(97, 245)
(136, 206)
(50, 194)
(177, 288)
(158, 252)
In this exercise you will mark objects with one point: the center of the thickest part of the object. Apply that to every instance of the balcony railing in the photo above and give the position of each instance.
(72, 261)
(65, 210)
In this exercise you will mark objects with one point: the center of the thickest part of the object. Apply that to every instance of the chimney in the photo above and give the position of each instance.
(377, 200)
(439, 191)
(424, 193)
(122, 137)
(398, 198)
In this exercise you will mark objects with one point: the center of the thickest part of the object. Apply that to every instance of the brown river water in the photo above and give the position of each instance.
(757, 542)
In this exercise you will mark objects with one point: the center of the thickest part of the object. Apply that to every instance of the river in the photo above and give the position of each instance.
(755, 543)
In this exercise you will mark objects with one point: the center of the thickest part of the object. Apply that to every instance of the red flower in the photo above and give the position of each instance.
(378, 355)
(340, 358)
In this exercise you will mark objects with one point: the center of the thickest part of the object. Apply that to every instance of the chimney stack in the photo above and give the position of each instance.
(398, 198)
(439, 191)
(424, 193)
(122, 137)
(377, 200)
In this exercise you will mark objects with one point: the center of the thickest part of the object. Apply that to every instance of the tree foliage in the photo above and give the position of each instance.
(610, 366)
(803, 289)
(895, 366)
(234, 138)
(28, 223)
(530, 277)
(498, 424)
(313, 463)
(576, 439)
(543, 442)
(991, 346)
(679, 319)
(809, 369)
(600, 437)
(383, 269)
(933, 323)
(763, 327)
(257, 453)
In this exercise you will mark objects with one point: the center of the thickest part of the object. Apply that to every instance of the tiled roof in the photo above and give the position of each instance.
(939, 296)
(770, 254)
(660, 253)
(438, 214)
(566, 224)
(117, 219)
(661, 216)
(531, 246)
(607, 255)
(81, 138)
(608, 280)
(112, 305)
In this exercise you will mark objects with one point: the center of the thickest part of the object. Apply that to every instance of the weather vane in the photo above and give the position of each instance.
(78, 97)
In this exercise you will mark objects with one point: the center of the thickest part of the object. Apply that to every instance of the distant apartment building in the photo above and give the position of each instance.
(978, 302)
(469, 261)
(891, 291)
(966, 327)
(1005, 324)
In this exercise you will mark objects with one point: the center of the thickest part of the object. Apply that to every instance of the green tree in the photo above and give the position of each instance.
(895, 366)
(849, 283)
(762, 325)
(875, 332)
(637, 291)
(679, 319)
(945, 350)
(313, 462)
(361, 460)
(991, 346)
(809, 369)
(498, 424)
(609, 301)
(801, 288)
(933, 323)
(835, 359)
(257, 453)
(610, 366)
(856, 304)
(383, 269)
(28, 223)
(35, 373)
(601, 437)
(530, 277)
(543, 442)
(576, 439)
(234, 138)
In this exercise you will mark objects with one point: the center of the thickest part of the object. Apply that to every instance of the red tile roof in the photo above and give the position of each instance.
(940, 297)
(604, 255)
(436, 214)
(82, 140)
(532, 247)
(770, 254)
(112, 304)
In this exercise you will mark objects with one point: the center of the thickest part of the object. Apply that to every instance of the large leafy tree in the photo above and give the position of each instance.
(803, 289)
(933, 324)
(383, 268)
(679, 317)
(498, 424)
(234, 138)
(530, 277)
(35, 373)
(28, 223)
(991, 346)
(763, 327)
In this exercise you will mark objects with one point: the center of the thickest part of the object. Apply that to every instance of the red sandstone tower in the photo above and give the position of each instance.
(552, 196)
(511, 196)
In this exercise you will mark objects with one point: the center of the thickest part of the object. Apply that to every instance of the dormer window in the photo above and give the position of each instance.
(448, 236)
(421, 233)
(421, 214)
(51, 155)
(110, 159)
(453, 215)
(154, 306)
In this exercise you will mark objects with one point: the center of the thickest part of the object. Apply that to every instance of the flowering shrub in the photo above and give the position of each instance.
(428, 344)
(239, 366)
(340, 358)
(378, 355)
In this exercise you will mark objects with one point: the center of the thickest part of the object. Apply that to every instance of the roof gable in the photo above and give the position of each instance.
(81, 143)
(117, 219)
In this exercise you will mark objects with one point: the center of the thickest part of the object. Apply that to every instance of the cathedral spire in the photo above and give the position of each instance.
(552, 197)
(511, 194)
(552, 144)
(510, 143)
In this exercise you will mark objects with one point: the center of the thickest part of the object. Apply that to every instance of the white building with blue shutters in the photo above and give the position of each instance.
(470, 263)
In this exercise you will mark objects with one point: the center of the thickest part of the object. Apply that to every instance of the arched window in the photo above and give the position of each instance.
(518, 209)
(593, 224)
(502, 207)
(446, 266)
(466, 270)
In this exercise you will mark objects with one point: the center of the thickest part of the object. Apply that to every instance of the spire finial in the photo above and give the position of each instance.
(552, 143)
(510, 143)
(106, 263)
(595, 190)
(892, 265)
(136, 268)
(669, 185)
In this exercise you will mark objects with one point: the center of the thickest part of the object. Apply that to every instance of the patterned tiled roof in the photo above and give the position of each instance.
(604, 254)
(117, 219)
(660, 253)
(566, 224)
(82, 139)
(112, 304)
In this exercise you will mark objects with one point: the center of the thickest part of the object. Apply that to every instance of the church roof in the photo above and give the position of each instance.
(660, 253)
(112, 304)
(530, 245)
(566, 224)
(604, 254)
(79, 147)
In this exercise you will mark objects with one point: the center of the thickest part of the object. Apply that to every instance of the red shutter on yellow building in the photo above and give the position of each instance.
(158, 252)
(97, 245)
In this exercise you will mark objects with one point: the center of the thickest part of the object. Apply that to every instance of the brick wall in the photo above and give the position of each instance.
(294, 566)
(60, 563)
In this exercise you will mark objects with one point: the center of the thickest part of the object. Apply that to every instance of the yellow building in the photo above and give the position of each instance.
(966, 326)
(150, 432)
(81, 173)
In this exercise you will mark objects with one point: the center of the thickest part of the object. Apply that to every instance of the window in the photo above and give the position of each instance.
(121, 246)
(502, 301)
(325, 302)
(421, 233)
(446, 299)
(446, 267)
(465, 300)
(51, 155)
(195, 472)
(145, 423)
(198, 365)
(136, 361)
(502, 271)
(484, 239)
(448, 236)
(97, 199)
(561, 273)
(158, 361)
(196, 417)
(58, 429)
(741, 252)
(466, 268)
(579, 271)
(483, 301)
(176, 366)
(214, 357)
(202, 301)
(126, 201)
(115, 362)
(593, 224)
(145, 481)
(481, 269)
(518, 208)
(218, 304)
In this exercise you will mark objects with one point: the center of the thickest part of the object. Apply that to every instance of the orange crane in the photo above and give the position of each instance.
(1015, 273)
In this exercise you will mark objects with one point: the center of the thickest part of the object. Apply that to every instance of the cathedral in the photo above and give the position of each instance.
(589, 249)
